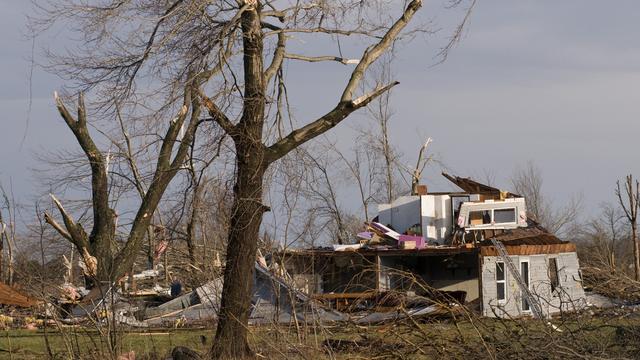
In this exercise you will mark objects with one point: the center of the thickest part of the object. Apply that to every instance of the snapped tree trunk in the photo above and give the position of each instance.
(105, 263)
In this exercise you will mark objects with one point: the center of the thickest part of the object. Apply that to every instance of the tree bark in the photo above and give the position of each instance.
(253, 158)
(2, 237)
(630, 208)
(194, 218)
(636, 250)
(247, 209)
(98, 246)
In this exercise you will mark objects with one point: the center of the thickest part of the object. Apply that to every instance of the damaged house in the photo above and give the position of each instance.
(476, 245)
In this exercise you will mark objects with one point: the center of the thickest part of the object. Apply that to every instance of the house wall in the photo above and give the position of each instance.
(401, 214)
(436, 218)
(446, 273)
(432, 212)
(569, 295)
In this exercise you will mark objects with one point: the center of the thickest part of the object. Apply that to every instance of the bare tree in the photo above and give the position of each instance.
(527, 182)
(230, 53)
(421, 163)
(362, 167)
(629, 203)
(254, 157)
(603, 234)
(8, 233)
(382, 112)
(105, 263)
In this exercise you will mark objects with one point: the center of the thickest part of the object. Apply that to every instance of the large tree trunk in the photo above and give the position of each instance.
(101, 245)
(247, 209)
(253, 158)
(636, 250)
(231, 335)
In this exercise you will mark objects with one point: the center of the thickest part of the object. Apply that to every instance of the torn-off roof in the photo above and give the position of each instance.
(474, 187)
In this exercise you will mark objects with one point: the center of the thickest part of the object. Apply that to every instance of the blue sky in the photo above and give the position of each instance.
(553, 82)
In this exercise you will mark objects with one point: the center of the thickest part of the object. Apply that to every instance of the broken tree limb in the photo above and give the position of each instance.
(331, 119)
(341, 60)
(103, 215)
(278, 57)
(371, 54)
(346, 105)
(74, 232)
(51, 221)
(218, 116)
(165, 171)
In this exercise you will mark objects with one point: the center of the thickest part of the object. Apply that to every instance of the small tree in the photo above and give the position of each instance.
(629, 203)
(558, 220)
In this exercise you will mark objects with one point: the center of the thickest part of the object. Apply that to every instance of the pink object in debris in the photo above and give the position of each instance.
(385, 230)
(418, 239)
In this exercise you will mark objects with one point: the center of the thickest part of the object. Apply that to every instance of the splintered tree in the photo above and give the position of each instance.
(104, 262)
(629, 201)
(239, 49)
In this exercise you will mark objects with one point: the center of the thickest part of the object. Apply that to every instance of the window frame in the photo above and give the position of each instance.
(503, 282)
(515, 216)
(527, 281)
(492, 221)
(554, 281)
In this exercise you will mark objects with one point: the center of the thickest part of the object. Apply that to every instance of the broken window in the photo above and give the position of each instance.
(456, 202)
(480, 217)
(501, 216)
(524, 273)
(488, 217)
(500, 281)
(553, 274)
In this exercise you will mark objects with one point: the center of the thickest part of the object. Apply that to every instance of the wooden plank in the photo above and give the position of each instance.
(530, 249)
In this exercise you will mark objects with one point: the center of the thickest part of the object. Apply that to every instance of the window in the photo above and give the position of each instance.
(480, 217)
(524, 273)
(500, 281)
(553, 274)
(489, 217)
(456, 202)
(501, 216)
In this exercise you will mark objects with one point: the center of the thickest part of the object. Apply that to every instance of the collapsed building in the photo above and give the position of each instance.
(476, 246)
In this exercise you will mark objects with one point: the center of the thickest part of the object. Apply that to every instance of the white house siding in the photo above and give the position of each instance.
(568, 296)
(401, 214)
(436, 218)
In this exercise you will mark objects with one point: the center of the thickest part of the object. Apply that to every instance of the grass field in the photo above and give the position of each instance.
(25, 344)
(586, 336)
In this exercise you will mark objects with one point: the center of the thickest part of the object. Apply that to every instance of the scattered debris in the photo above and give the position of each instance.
(422, 255)
(478, 242)
(13, 297)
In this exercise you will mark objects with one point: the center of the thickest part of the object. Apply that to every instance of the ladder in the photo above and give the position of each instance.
(526, 294)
